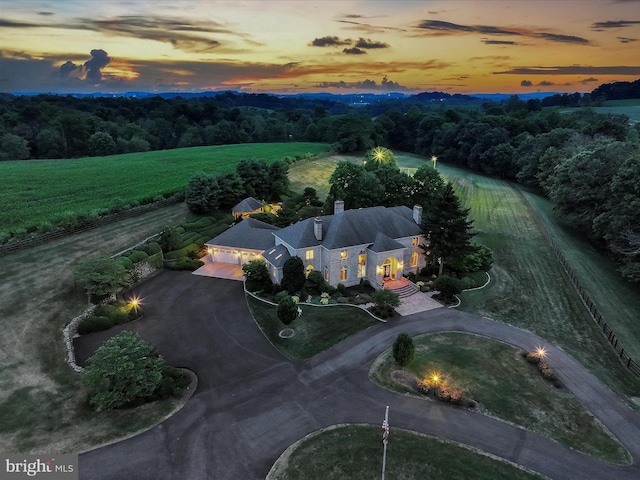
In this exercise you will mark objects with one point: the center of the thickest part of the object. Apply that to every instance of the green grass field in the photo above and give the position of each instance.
(354, 452)
(507, 387)
(35, 191)
(529, 287)
(630, 108)
(318, 329)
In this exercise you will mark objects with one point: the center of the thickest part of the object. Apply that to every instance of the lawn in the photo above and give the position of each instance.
(630, 108)
(355, 452)
(318, 329)
(36, 191)
(43, 406)
(529, 287)
(507, 387)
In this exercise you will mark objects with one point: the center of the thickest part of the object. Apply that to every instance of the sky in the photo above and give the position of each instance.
(338, 46)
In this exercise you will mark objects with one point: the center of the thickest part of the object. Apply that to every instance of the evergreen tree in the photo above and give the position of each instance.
(287, 310)
(448, 229)
(403, 350)
(293, 277)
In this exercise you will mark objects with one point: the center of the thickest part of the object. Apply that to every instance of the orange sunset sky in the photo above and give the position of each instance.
(339, 46)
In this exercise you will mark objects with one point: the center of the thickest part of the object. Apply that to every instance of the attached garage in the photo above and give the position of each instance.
(225, 255)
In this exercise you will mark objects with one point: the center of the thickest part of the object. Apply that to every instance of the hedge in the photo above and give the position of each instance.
(137, 256)
(183, 263)
(183, 252)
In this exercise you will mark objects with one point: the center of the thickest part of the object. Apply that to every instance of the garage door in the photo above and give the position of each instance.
(225, 255)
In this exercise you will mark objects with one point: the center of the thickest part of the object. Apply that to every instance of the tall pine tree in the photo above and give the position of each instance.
(448, 229)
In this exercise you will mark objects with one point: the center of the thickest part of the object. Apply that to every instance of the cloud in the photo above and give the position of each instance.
(614, 24)
(573, 70)
(99, 60)
(368, 28)
(439, 27)
(384, 85)
(525, 83)
(354, 51)
(366, 43)
(544, 83)
(627, 39)
(329, 42)
(67, 68)
(589, 80)
(46, 14)
(486, 41)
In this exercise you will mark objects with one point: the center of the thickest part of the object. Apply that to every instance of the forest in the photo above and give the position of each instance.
(587, 163)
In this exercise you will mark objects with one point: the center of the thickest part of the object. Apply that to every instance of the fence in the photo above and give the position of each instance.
(48, 237)
(597, 317)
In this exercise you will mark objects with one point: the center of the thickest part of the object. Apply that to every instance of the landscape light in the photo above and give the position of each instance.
(435, 378)
(134, 302)
(541, 352)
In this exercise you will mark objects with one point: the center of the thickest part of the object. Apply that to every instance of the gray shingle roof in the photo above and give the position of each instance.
(247, 205)
(276, 256)
(249, 233)
(382, 243)
(353, 227)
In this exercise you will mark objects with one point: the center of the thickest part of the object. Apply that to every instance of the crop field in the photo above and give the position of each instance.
(36, 191)
(529, 287)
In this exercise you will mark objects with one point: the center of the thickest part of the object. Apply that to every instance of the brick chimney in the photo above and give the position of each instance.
(317, 228)
(338, 207)
(417, 214)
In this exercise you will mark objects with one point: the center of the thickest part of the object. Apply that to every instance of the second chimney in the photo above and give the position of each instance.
(338, 207)
(317, 228)
(417, 214)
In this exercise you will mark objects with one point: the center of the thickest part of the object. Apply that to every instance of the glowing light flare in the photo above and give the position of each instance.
(541, 352)
(134, 302)
(435, 378)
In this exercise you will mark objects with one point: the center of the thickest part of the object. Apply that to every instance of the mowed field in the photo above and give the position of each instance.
(529, 287)
(36, 191)
(630, 108)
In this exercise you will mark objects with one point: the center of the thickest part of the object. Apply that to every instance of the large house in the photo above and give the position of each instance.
(376, 243)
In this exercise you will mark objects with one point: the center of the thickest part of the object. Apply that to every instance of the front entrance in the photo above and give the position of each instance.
(386, 271)
(389, 269)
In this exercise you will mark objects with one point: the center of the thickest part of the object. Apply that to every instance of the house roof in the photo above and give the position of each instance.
(247, 205)
(352, 227)
(276, 256)
(249, 233)
(382, 243)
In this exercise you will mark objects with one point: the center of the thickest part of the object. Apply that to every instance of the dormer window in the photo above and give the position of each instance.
(415, 241)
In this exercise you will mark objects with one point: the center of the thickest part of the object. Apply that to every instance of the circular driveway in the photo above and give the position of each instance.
(251, 403)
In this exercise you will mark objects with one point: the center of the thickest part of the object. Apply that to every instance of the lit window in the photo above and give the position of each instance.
(279, 255)
(309, 254)
(344, 254)
(362, 264)
(309, 268)
(414, 259)
(326, 274)
(343, 273)
(271, 251)
(415, 241)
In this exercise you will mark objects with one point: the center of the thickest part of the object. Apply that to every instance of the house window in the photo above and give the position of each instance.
(309, 254)
(344, 254)
(326, 274)
(362, 264)
(343, 273)
(309, 269)
(414, 259)
(415, 241)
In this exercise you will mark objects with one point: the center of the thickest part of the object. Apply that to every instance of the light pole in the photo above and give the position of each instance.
(434, 159)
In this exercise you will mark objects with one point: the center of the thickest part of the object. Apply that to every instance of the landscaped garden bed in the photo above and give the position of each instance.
(460, 368)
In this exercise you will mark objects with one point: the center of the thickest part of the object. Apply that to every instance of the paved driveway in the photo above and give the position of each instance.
(251, 403)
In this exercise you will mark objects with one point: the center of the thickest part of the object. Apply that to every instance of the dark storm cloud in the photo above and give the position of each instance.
(99, 60)
(486, 41)
(627, 39)
(354, 51)
(367, 43)
(385, 85)
(67, 68)
(439, 27)
(525, 83)
(573, 70)
(614, 24)
(329, 42)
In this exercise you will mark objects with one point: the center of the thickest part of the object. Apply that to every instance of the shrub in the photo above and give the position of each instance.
(138, 256)
(448, 286)
(533, 357)
(287, 310)
(315, 281)
(342, 300)
(183, 263)
(182, 252)
(173, 383)
(280, 295)
(385, 298)
(94, 324)
(342, 290)
(424, 386)
(546, 371)
(125, 262)
(151, 248)
(256, 274)
(155, 260)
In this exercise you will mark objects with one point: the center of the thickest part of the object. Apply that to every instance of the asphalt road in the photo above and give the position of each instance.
(251, 403)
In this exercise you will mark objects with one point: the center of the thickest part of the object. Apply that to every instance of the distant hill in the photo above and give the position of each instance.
(617, 91)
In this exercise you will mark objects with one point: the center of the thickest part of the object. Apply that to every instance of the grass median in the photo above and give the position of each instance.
(506, 387)
(317, 330)
(355, 452)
